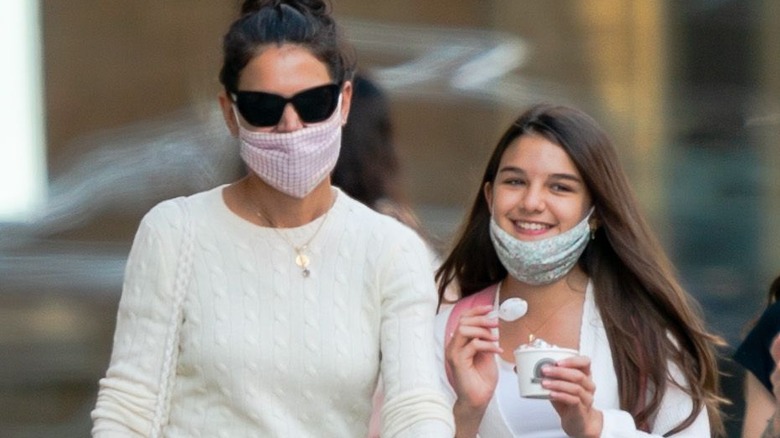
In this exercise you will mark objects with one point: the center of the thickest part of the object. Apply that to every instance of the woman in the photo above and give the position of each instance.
(555, 224)
(759, 353)
(298, 297)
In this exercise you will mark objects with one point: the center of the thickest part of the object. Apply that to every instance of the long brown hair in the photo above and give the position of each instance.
(649, 318)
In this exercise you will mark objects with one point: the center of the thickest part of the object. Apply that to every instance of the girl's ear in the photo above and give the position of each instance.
(594, 223)
(488, 192)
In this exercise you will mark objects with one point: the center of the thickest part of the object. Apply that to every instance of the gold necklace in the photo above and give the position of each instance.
(301, 259)
(531, 335)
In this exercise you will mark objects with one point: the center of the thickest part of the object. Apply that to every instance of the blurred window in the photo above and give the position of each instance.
(22, 142)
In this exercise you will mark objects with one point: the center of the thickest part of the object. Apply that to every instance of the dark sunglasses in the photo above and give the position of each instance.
(265, 109)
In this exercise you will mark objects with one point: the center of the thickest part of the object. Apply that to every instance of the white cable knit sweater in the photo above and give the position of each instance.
(263, 350)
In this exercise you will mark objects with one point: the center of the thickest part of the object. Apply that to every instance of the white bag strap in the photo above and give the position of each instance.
(170, 359)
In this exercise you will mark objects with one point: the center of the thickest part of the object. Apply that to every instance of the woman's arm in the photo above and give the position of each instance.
(414, 404)
(128, 394)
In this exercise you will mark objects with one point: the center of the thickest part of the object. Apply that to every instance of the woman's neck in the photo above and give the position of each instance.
(254, 199)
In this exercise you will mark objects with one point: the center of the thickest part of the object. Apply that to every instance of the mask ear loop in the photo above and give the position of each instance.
(490, 210)
(594, 225)
(235, 116)
(338, 110)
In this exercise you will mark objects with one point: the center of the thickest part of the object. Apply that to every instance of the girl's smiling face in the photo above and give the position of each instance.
(538, 191)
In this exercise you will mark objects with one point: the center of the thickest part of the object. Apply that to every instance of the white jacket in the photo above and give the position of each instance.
(675, 407)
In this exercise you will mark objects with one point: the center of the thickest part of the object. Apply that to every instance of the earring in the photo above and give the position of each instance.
(593, 232)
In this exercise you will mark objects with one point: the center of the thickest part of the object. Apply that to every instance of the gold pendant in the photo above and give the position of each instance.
(302, 261)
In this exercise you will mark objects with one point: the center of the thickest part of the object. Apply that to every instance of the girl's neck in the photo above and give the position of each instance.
(573, 283)
(554, 313)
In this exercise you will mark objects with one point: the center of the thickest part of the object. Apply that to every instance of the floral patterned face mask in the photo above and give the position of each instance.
(540, 262)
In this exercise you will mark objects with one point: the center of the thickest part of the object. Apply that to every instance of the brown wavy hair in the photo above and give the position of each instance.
(649, 318)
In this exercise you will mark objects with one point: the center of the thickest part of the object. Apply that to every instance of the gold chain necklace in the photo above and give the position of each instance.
(301, 258)
(531, 335)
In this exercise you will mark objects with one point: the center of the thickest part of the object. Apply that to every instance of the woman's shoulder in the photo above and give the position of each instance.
(174, 211)
(369, 220)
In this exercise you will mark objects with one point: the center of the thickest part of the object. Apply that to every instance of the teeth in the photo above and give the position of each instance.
(531, 226)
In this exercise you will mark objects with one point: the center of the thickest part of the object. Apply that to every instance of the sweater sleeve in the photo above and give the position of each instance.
(674, 409)
(414, 404)
(440, 327)
(127, 395)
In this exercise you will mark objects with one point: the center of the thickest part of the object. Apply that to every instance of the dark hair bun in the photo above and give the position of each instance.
(314, 7)
(306, 23)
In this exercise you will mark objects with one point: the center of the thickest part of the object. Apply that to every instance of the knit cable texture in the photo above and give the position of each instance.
(181, 281)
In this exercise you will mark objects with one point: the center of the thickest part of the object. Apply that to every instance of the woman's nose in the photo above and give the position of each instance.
(290, 120)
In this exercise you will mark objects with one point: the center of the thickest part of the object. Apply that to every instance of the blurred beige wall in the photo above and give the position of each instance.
(111, 63)
(116, 62)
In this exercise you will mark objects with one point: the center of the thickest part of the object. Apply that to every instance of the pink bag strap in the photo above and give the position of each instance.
(482, 298)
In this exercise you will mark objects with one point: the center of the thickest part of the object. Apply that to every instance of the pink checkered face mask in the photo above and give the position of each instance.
(293, 162)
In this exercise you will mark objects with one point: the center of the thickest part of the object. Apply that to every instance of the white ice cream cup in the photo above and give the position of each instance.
(529, 362)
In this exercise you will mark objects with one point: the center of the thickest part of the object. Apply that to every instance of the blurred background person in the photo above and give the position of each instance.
(369, 168)
(759, 354)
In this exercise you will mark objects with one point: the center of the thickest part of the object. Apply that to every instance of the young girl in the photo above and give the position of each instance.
(555, 224)
(270, 306)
